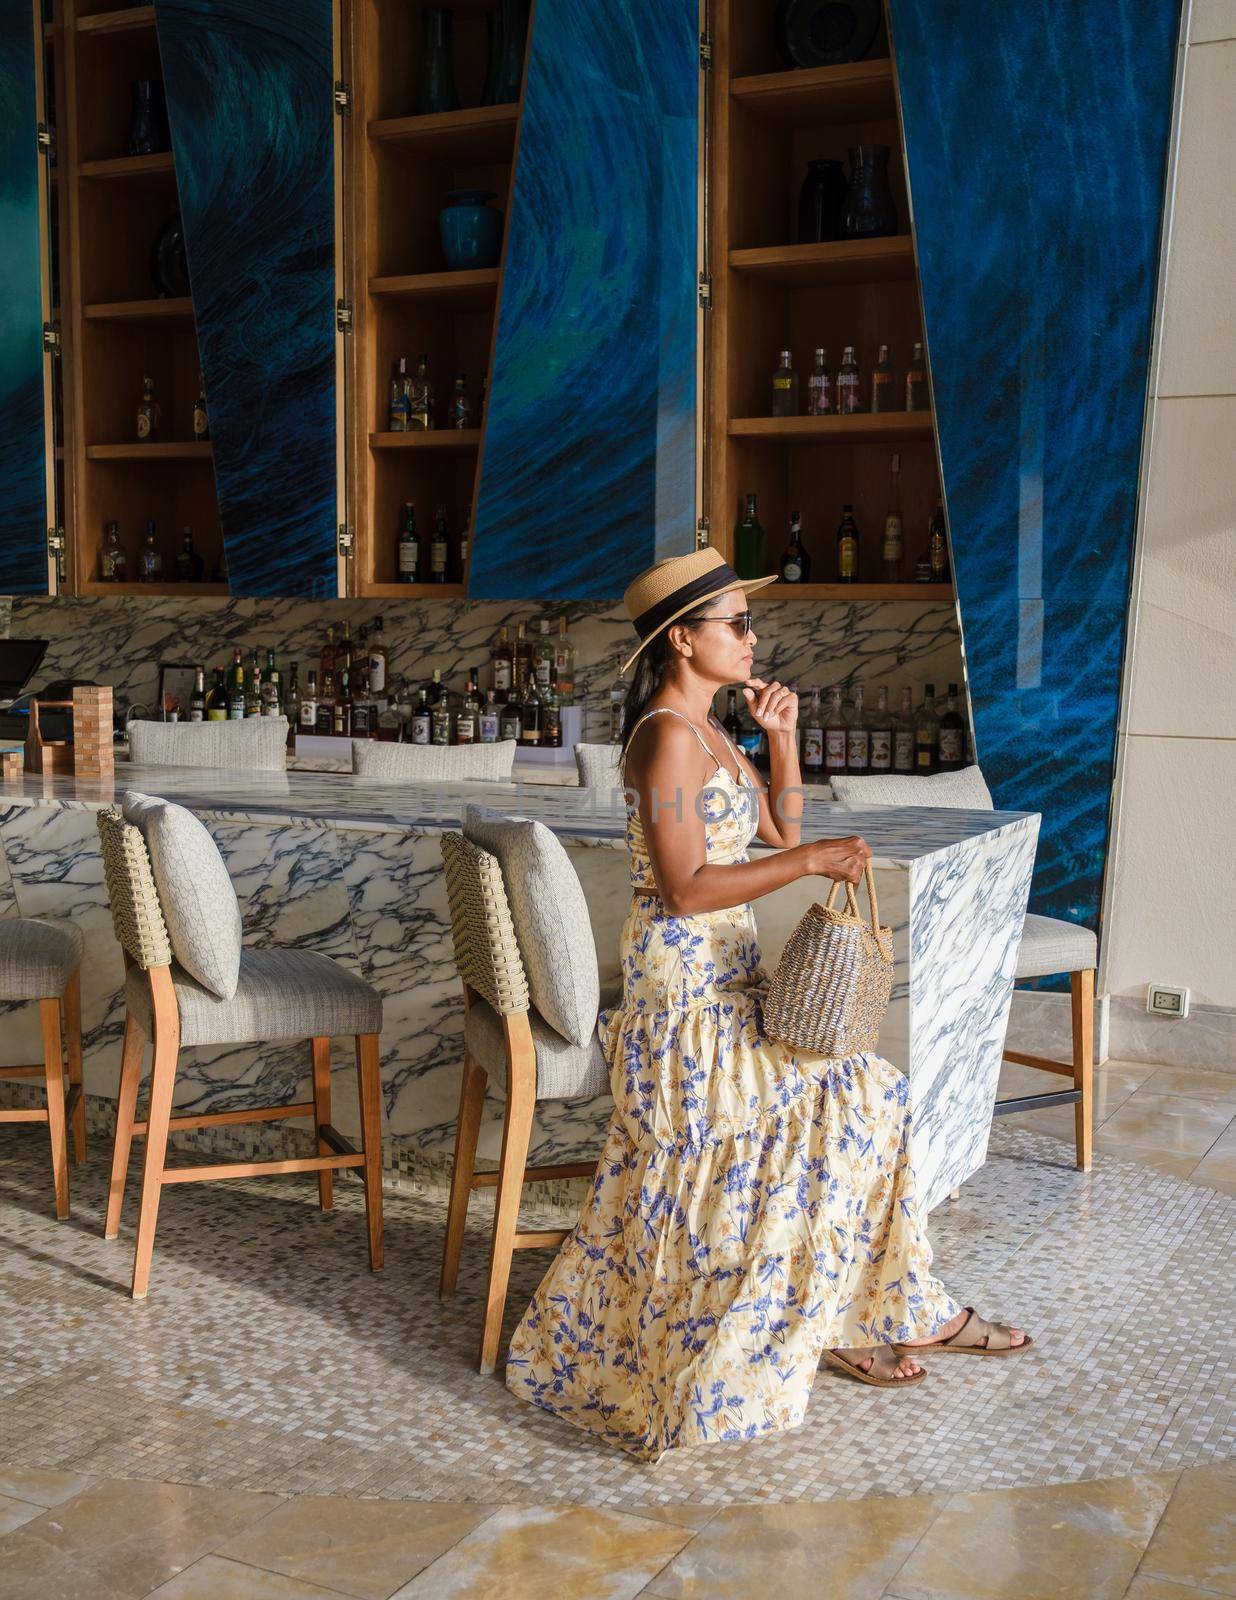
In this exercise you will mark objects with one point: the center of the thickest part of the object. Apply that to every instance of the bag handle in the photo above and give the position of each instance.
(852, 899)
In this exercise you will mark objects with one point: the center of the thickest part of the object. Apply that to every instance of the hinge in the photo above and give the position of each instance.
(705, 52)
(55, 541)
(705, 291)
(346, 539)
(343, 98)
(702, 530)
(45, 138)
(51, 338)
(343, 316)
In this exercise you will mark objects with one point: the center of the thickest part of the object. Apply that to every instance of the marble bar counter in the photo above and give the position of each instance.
(352, 867)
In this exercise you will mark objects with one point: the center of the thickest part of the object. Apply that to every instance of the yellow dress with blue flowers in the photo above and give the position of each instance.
(753, 1204)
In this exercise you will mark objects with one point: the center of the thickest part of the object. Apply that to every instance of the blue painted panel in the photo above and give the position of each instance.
(1037, 140)
(249, 93)
(23, 487)
(588, 473)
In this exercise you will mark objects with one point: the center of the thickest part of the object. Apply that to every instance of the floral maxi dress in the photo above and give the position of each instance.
(752, 1206)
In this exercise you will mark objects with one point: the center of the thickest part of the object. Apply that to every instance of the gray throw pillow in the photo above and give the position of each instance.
(550, 916)
(198, 900)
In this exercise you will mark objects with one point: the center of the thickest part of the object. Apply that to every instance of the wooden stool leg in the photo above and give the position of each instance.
(1081, 988)
(166, 1029)
(369, 1071)
(126, 1105)
(516, 1134)
(321, 1114)
(53, 1072)
(73, 1046)
(471, 1105)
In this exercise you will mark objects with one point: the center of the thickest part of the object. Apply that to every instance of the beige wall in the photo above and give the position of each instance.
(1171, 912)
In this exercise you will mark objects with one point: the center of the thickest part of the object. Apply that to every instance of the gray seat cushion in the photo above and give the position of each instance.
(552, 926)
(280, 994)
(254, 744)
(195, 892)
(434, 763)
(37, 957)
(598, 766)
(563, 1069)
(1049, 946)
(966, 790)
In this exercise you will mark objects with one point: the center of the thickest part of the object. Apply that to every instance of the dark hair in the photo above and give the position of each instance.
(651, 665)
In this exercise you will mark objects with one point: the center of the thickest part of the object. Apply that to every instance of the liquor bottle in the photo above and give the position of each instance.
(216, 700)
(377, 661)
(436, 688)
(893, 543)
(820, 387)
(785, 388)
(795, 562)
(149, 413)
(420, 397)
(253, 688)
(408, 556)
(858, 735)
(511, 716)
(500, 664)
(749, 543)
(813, 738)
(952, 749)
(362, 711)
(290, 706)
(400, 398)
(848, 398)
(882, 382)
(937, 544)
(848, 540)
(460, 414)
(463, 548)
(564, 665)
(197, 700)
(341, 709)
(343, 650)
(834, 733)
(903, 734)
(269, 697)
(520, 663)
(490, 718)
(150, 557)
(422, 721)
(440, 717)
(617, 704)
(201, 422)
(530, 718)
(882, 733)
(327, 663)
(326, 704)
(468, 722)
(542, 655)
(144, 131)
(732, 722)
(236, 688)
(309, 705)
(113, 563)
(439, 548)
(926, 734)
(189, 565)
(916, 381)
(551, 716)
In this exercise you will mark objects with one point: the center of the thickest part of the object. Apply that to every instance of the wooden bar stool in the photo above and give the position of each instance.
(41, 961)
(177, 920)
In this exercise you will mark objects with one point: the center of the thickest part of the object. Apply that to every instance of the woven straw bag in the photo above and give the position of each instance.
(832, 985)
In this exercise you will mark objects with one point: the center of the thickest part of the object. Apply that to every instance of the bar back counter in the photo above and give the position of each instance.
(352, 867)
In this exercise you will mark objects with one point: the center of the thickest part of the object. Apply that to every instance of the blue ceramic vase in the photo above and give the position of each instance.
(471, 229)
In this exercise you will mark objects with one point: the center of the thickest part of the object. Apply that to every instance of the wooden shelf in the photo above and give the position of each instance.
(475, 133)
(414, 591)
(474, 288)
(858, 91)
(173, 450)
(838, 261)
(432, 439)
(128, 166)
(204, 590)
(118, 21)
(141, 311)
(926, 592)
(864, 427)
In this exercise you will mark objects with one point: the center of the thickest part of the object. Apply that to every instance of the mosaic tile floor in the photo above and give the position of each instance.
(268, 1358)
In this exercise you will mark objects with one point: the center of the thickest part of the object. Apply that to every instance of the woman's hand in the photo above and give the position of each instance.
(842, 860)
(773, 707)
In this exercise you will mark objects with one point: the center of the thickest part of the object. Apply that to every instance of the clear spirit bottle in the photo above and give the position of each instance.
(903, 734)
(881, 733)
(400, 419)
(858, 735)
(150, 557)
(420, 399)
(460, 415)
(564, 665)
(848, 398)
(813, 738)
(834, 733)
(820, 387)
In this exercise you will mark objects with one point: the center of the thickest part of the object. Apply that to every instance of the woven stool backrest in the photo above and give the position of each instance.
(486, 952)
(137, 915)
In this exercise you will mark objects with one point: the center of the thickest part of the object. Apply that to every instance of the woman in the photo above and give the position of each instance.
(754, 1208)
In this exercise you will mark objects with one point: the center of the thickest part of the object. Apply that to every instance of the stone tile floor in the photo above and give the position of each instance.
(269, 1376)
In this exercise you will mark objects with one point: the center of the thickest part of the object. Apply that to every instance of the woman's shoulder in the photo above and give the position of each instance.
(663, 732)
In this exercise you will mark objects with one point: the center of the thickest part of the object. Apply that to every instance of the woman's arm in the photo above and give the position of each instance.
(774, 708)
(667, 768)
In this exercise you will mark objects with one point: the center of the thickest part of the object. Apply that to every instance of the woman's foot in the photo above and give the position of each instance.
(954, 1326)
(879, 1364)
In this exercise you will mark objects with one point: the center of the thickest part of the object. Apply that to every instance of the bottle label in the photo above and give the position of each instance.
(489, 727)
(377, 674)
(847, 394)
(923, 757)
(360, 719)
(782, 383)
(465, 730)
(847, 556)
(819, 400)
(834, 749)
(143, 424)
(196, 714)
(308, 715)
(216, 715)
(542, 672)
(813, 748)
(420, 728)
(951, 745)
(857, 748)
(892, 538)
(199, 423)
(502, 672)
(903, 751)
(409, 556)
(881, 750)
(437, 556)
(791, 572)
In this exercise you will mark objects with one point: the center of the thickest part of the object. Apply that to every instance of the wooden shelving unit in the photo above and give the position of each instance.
(407, 302)
(771, 292)
(115, 327)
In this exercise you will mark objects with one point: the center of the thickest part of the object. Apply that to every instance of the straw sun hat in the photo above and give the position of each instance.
(671, 588)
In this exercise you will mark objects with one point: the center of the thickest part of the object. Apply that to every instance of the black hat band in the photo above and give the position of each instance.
(714, 581)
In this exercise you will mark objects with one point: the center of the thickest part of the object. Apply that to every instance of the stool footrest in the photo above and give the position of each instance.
(540, 1241)
(37, 1071)
(1041, 1062)
(572, 1169)
(21, 1114)
(259, 1169)
(221, 1119)
(1036, 1102)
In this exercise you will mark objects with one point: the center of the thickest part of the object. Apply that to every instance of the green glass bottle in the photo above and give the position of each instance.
(749, 543)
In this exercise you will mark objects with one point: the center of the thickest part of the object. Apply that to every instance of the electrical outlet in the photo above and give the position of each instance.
(1165, 1000)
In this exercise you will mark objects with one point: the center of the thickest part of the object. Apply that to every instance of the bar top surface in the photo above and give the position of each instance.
(378, 805)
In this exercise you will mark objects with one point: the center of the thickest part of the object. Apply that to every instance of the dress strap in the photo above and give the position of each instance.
(669, 711)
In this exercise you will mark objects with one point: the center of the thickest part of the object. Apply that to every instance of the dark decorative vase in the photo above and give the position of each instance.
(820, 201)
(471, 229)
(868, 212)
(824, 33)
(169, 264)
(435, 86)
(508, 36)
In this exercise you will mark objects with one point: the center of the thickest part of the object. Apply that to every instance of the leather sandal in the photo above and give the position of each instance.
(999, 1337)
(885, 1359)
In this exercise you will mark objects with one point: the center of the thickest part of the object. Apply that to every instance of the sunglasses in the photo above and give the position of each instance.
(740, 622)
